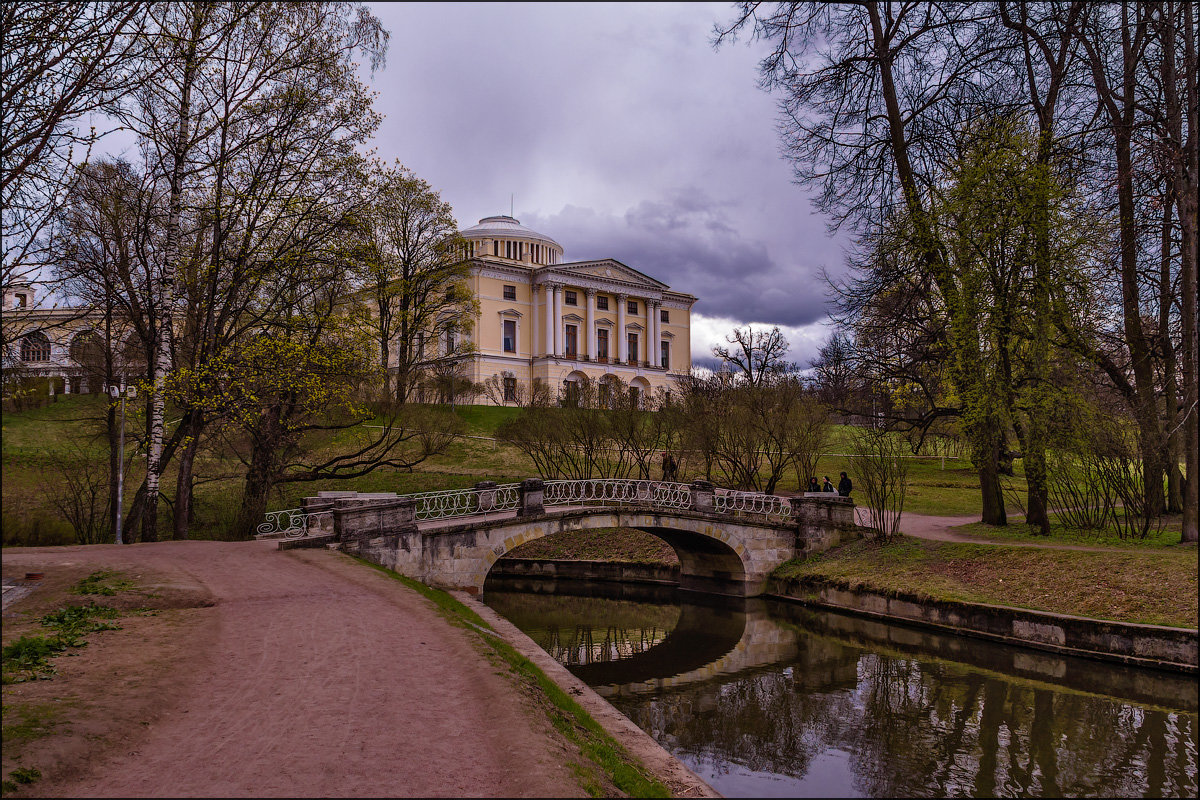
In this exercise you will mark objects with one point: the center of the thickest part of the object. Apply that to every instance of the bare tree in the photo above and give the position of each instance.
(757, 356)
(415, 280)
(881, 476)
(232, 81)
(61, 61)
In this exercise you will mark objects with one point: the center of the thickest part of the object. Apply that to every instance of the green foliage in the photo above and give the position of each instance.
(35, 720)
(29, 656)
(21, 776)
(104, 582)
(35, 528)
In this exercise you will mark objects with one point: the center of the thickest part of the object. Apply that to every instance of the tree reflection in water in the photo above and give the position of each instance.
(858, 707)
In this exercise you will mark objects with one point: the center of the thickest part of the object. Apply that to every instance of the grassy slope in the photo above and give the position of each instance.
(1148, 586)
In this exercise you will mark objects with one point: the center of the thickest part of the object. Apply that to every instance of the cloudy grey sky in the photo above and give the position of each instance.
(621, 133)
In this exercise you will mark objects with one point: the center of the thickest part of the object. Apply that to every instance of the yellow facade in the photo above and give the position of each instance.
(543, 318)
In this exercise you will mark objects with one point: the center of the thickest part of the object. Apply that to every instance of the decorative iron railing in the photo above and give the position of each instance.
(296, 522)
(610, 491)
(466, 502)
(739, 503)
(293, 523)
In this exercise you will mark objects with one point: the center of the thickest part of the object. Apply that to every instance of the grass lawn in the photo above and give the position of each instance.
(1157, 587)
(1165, 537)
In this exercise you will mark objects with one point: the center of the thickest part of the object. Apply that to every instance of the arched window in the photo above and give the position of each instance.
(87, 350)
(35, 347)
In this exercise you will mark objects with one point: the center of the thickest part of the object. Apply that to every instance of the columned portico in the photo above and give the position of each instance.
(520, 276)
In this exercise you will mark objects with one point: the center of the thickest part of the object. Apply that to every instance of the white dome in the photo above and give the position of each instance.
(506, 228)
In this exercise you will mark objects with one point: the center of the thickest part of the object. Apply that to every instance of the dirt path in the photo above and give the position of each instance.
(925, 526)
(319, 678)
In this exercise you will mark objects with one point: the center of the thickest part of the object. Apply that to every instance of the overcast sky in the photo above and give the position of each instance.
(620, 132)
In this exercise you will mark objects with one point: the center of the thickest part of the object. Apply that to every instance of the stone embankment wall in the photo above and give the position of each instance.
(565, 569)
(1141, 645)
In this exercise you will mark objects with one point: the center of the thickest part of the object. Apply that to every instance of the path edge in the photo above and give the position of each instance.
(640, 744)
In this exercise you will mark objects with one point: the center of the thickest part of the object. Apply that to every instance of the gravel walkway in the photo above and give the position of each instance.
(319, 679)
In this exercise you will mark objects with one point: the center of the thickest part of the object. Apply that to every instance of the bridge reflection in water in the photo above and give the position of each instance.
(763, 698)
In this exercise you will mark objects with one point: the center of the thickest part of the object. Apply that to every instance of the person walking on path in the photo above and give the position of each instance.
(827, 486)
(845, 486)
(669, 467)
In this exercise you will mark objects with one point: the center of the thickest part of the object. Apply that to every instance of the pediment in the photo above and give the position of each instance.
(612, 270)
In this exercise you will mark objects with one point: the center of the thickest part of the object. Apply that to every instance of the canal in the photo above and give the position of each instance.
(765, 698)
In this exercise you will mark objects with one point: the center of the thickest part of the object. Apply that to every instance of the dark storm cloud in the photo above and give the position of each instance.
(622, 133)
(687, 242)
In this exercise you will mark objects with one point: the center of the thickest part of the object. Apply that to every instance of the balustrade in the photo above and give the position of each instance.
(292, 523)
(488, 498)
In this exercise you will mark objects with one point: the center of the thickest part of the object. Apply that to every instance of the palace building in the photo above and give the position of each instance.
(540, 318)
(545, 319)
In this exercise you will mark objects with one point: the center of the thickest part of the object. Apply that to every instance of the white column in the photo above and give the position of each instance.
(622, 336)
(557, 318)
(549, 318)
(590, 337)
(533, 312)
(653, 354)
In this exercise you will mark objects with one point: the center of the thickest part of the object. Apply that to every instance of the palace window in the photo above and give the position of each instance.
(570, 298)
(514, 250)
(572, 338)
(20, 301)
(602, 303)
(602, 343)
(633, 307)
(35, 347)
(510, 336)
(570, 393)
(510, 389)
(663, 316)
(510, 293)
(665, 355)
(495, 247)
(633, 347)
(605, 394)
(635, 397)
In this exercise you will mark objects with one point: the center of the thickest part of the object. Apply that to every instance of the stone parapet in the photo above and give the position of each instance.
(358, 518)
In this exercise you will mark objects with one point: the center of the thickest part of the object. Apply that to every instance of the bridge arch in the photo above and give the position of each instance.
(727, 542)
(719, 556)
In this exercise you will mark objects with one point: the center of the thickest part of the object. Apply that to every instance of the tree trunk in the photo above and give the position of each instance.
(260, 477)
(1174, 500)
(183, 482)
(1185, 168)
(164, 293)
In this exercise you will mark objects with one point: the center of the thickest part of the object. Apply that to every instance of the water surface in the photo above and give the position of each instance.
(771, 699)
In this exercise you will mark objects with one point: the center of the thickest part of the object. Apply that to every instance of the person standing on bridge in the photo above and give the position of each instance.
(827, 486)
(845, 486)
(813, 486)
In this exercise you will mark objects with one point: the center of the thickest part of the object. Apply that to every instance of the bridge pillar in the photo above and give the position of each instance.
(314, 505)
(822, 523)
(532, 497)
(356, 520)
(702, 496)
(487, 495)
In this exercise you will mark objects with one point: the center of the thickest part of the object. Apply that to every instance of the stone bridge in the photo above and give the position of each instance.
(727, 542)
